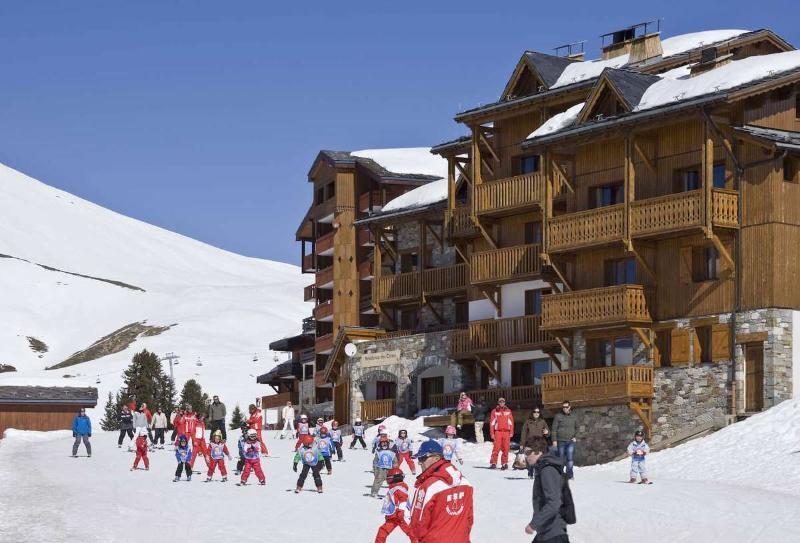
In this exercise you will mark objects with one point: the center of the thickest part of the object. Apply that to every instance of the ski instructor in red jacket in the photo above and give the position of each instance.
(441, 511)
(501, 428)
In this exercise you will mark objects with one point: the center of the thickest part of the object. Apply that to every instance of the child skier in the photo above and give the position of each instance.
(309, 454)
(358, 434)
(303, 429)
(218, 450)
(240, 463)
(394, 505)
(141, 450)
(638, 450)
(381, 432)
(336, 437)
(252, 460)
(326, 447)
(183, 453)
(451, 445)
(199, 445)
(256, 422)
(384, 460)
(402, 447)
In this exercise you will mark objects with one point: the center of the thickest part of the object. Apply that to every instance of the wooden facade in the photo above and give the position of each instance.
(42, 408)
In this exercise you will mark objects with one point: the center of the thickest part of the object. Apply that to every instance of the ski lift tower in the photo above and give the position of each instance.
(172, 357)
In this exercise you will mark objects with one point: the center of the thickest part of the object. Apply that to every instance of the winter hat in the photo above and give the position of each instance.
(251, 434)
(307, 439)
(428, 448)
(395, 475)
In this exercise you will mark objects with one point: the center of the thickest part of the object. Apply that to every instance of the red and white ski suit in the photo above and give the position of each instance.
(394, 507)
(403, 449)
(252, 460)
(441, 511)
(217, 453)
(501, 428)
(141, 452)
(256, 422)
(199, 445)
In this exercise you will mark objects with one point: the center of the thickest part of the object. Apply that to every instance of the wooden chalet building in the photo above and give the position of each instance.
(43, 408)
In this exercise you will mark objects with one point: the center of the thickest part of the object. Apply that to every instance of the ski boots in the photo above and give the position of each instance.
(632, 480)
(298, 489)
(492, 466)
(319, 490)
(262, 483)
(224, 479)
(505, 467)
(208, 479)
(176, 479)
(188, 477)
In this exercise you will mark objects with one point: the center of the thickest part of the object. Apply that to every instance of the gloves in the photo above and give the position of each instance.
(74, 434)
(460, 461)
(90, 435)
(294, 467)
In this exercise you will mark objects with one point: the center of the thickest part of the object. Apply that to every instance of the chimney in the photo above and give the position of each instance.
(577, 56)
(645, 47)
(710, 58)
(621, 42)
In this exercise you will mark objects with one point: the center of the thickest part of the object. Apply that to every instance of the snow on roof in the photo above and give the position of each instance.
(558, 121)
(431, 193)
(581, 71)
(410, 160)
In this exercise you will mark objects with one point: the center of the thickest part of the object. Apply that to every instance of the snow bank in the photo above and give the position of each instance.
(761, 452)
(581, 71)
(29, 436)
(411, 160)
(558, 121)
(431, 193)
(415, 428)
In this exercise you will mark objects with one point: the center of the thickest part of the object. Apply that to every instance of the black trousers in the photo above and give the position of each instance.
(219, 425)
(360, 439)
(240, 465)
(159, 436)
(327, 460)
(181, 467)
(174, 435)
(122, 433)
(314, 473)
(339, 454)
(556, 539)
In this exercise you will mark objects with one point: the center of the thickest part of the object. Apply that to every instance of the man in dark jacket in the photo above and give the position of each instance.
(564, 432)
(125, 425)
(216, 414)
(547, 522)
(81, 430)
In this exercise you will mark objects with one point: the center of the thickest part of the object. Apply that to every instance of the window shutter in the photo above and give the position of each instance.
(698, 348)
(680, 347)
(686, 265)
(720, 342)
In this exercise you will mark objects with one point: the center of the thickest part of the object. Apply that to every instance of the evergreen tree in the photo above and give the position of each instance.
(166, 393)
(192, 394)
(237, 418)
(143, 379)
(110, 421)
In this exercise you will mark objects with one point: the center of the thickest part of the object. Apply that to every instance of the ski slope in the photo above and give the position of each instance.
(107, 271)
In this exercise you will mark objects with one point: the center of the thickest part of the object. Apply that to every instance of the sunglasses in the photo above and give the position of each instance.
(536, 412)
(422, 458)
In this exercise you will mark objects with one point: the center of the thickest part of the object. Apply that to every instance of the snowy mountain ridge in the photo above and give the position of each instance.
(73, 272)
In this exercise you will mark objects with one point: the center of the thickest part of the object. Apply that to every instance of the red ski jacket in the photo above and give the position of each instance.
(255, 420)
(501, 419)
(141, 444)
(188, 422)
(442, 505)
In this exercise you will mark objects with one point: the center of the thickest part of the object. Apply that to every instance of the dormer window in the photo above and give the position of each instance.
(526, 164)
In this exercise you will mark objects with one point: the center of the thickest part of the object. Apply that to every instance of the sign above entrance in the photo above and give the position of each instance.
(385, 358)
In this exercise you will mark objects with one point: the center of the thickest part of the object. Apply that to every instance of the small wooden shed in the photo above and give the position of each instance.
(42, 408)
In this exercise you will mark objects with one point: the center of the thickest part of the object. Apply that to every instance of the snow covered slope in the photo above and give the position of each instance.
(76, 272)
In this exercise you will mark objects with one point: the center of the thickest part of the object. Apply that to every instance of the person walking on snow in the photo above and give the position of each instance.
(402, 448)
(188, 422)
(384, 460)
(381, 434)
(148, 415)
(218, 450)
(395, 504)
(256, 422)
(141, 450)
(336, 438)
(358, 434)
(564, 432)
(326, 447)
(501, 428)
(81, 430)
(534, 430)
(216, 415)
(316, 429)
(199, 445)
(244, 427)
(125, 425)
(173, 420)
(451, 445)
(464, 407)
(547, 522)
(310, 456)
(252, 458)
(287, 413)
(159, 424)
(441, 509)
(183, 454)
(638, 450)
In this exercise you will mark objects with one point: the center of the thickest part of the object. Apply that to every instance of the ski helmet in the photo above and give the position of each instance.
(334, 425)
(252, 434)
(323, 430)
(183, 439)
(395, 475)
(307, 439)
(244, 427)
(358, 419)
(638, 433)
(218, 434)
(450, 430)
(303, 417)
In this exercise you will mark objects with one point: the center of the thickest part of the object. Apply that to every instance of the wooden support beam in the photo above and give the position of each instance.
(563, 175)
(645, 158)
(475, 156)
(488, 145)
(566, 350)
(643, 263)
(490, 367)
(490, 297)
(464, 174)
(554, 357)
(461, 254)
(643, 411)
(726, 141)
(723, 252)
(483, 232)
(451, 186)
(436, 236)
(629, 189)
(387, 244)
(487, 166)
(435, 313)
(645, 337)
(548, 203)
(707, 176)
(388, 317)
(554, 286)
(560, 275)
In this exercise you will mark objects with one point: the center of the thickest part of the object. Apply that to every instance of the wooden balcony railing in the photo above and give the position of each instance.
(460, 224)
(681, 211)
(324, 244)
(309, 293)
(324, 343)
(606, 306)
(364, 199)
(501, 335)
(725, 208)
(600, 386)
(438, 281)
(410, 285)
(278, 400)
(319, 378)
(308, 264)
(527, 395)
(509, 264)
(324, 277)
(324, 310)
(323, 211)
(400, 286)
(509, 194)
(378, 409)
(585, 228)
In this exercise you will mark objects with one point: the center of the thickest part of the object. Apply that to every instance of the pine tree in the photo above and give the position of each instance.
(110, 422)
(237, 418)
(166, 393)
(143, 378)
(192, 394)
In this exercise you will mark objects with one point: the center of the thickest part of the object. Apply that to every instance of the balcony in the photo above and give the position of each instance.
(323, 344)
(519, 396)
(278, 400)
(431, 282)
(508, 195)
(506, 265)
(324, 244)
(501, 336)
(586, 228)
(325, 211)
(365, 270)
(325, 278)
(364, 238)
(308, 264)
(622, 305)
(600, 386)
(460, 224)
(664, 215)
(319, 379)
(324, 311)
(444, 280)
(364, 199)
(378, 409)
(310, 293)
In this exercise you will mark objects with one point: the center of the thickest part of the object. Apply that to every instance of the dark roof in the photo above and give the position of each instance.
(630, 85)
(782, 139)
(380, 216)
(549, 67)
(293, 343)
(284, 370)
(84, 396)
(452, 144)
(344, 158)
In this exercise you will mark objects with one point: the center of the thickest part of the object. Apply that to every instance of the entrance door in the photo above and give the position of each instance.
(754, 377)
(430, 385)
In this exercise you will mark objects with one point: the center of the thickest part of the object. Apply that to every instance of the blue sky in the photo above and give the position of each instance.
(203, 117)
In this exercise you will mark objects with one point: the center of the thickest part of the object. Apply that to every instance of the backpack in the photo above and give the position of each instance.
(567, 510)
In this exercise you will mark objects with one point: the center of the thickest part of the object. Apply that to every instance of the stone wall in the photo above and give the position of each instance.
(604, 432)
(408, 239)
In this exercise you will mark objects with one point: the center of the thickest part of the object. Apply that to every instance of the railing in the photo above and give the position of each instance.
(324, 243)
(433, 281)
(308, 263)
(323, 343)
(323, 310)
(500, 335)
(310, 293)
(378, 409)
(622, 304)
(324, 277)
(509, 264)
(454, 328)
(363, 200)
(460, 223)
(674, 212)
(445, 279)
(278, 400)
(600, 386)
(398, 287)
(725, 206)
(530, 395)
(324, 210)
(509, 193)
(584, 228)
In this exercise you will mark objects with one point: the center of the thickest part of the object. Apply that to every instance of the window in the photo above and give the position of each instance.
(533, 301)
(409, 262)
(620, 271)
(691, 180)
(462, 312)
(663, 353)
(705, 264)
(703, 343)
(408, 319)
(319, 196)
(528, 372)
(385, 390)
(529, 164)
(606, 195)
(330, 189)
(533, 232)
(719, 176)
(608, 352)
